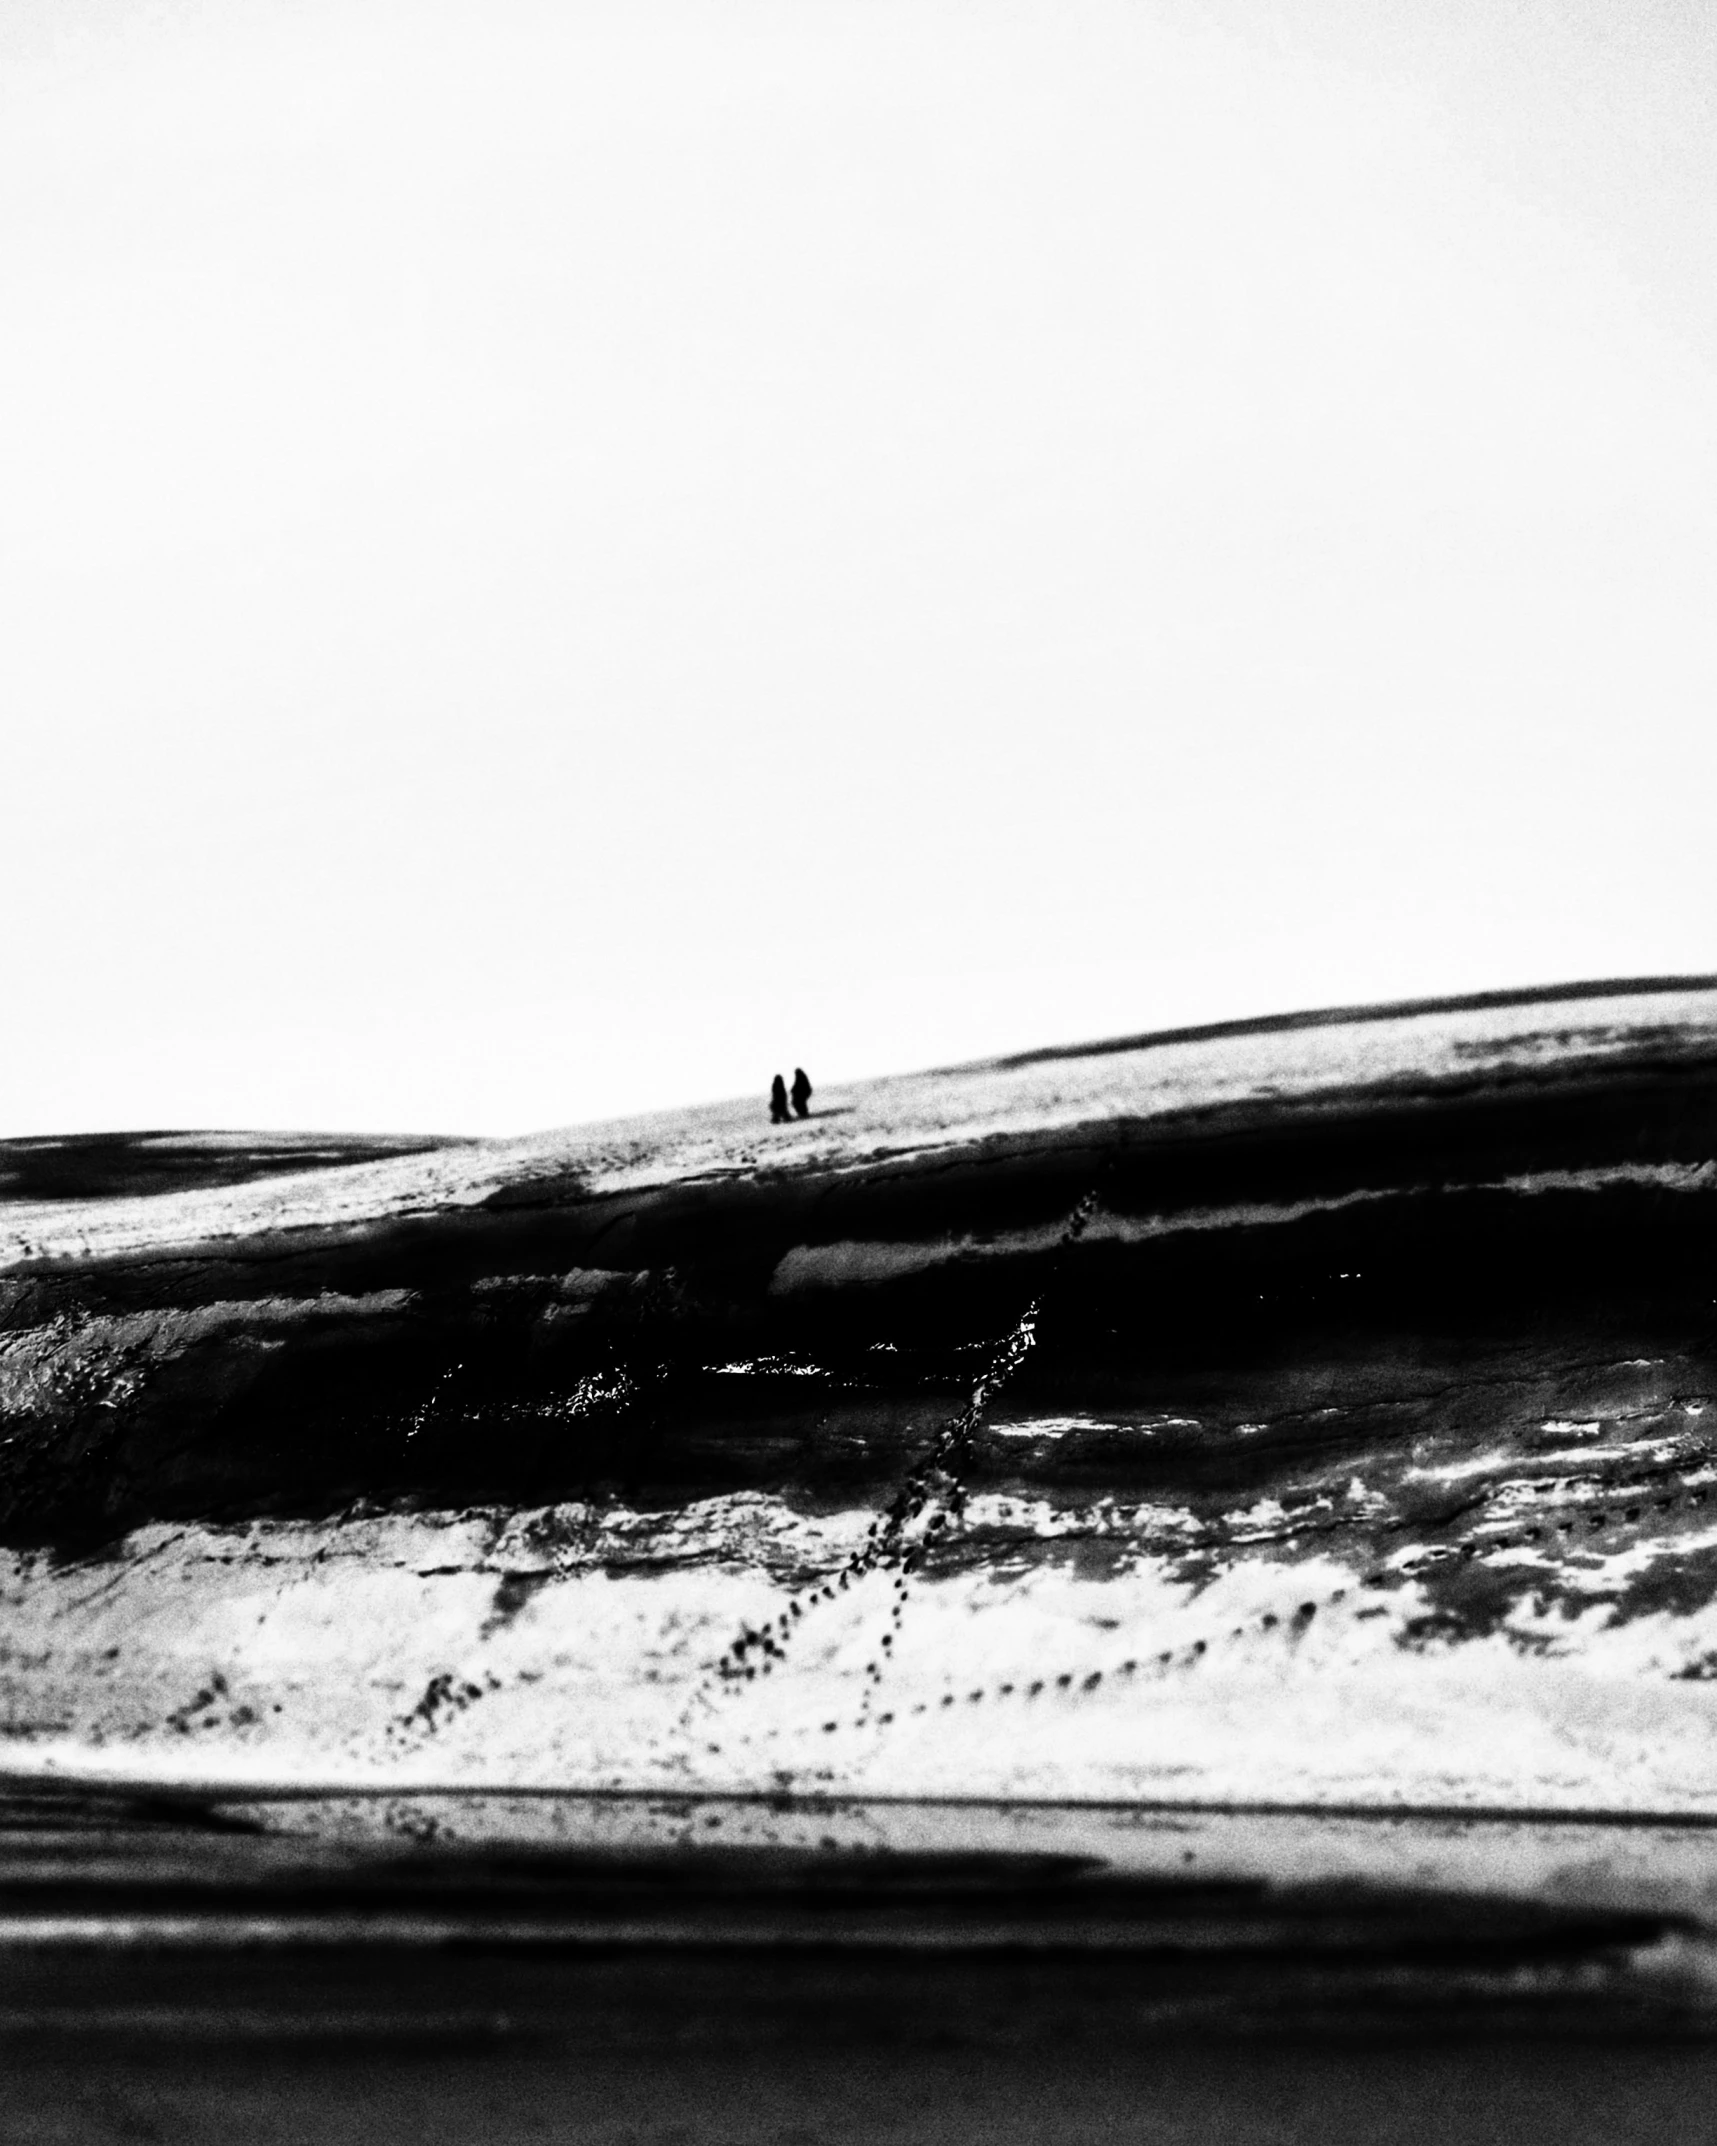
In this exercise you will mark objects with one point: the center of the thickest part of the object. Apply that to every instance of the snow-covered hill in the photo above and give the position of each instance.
(1311, 1411)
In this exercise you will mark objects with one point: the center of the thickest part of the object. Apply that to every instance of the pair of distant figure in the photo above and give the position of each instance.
(778, 1097)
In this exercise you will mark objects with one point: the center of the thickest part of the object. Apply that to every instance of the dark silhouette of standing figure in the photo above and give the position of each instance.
(801, 1093)
(778, 1101)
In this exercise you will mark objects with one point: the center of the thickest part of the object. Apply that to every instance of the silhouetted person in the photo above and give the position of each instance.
(801, 1093)
(778, 1101)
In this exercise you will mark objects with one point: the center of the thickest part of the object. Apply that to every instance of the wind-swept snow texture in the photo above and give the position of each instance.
(1317, 1411)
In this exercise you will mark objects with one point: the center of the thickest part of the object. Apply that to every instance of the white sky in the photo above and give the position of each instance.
(557, 560)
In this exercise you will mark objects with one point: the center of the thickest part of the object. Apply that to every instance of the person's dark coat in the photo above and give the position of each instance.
(801, 1093)
(778, 1101)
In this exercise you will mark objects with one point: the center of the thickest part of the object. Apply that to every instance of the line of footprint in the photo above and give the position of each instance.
(885, 1541)
(1595, 1519)
(886, 1544)
(945, 1458)
(1190, 1654)
(1186, 1655)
